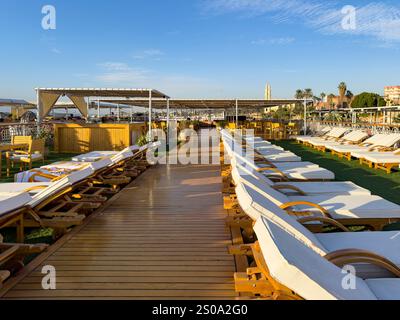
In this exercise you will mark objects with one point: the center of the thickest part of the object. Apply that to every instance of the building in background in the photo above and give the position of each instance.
(392, 94)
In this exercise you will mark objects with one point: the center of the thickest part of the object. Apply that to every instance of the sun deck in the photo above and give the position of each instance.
(162, 237)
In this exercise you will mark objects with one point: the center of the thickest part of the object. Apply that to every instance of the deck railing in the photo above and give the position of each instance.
(371, 127)
(7, 131)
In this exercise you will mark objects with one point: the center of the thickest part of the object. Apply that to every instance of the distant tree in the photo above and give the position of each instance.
(308, 93)
(342, 92)
(299, 94)
(368, 100)
(322, 95)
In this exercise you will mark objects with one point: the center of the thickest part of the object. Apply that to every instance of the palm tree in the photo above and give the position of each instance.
(299, 94)
(322, 95)
(308, 93)
(342, 92)
(349, 96)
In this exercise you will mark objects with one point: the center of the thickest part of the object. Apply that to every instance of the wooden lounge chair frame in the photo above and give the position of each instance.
(12, 257)
(258, 280)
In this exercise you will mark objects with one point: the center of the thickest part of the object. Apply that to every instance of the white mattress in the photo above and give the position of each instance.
(11, 201)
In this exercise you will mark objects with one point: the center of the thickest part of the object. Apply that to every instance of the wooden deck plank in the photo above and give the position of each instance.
(163, 237)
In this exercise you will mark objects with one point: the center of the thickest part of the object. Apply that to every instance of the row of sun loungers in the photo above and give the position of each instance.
(377, 151)
(283, 222)
(61, 195)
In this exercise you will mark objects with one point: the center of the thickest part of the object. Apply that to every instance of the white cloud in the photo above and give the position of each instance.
(56, 51)
(377, 19)
(149, 53)
(120, 73)
(274, 41)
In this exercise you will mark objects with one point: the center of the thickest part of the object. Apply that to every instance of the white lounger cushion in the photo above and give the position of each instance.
(385, 289)
(94, 156)
(11, 201)
(306, 173)
(24, 187)
(24, 157)
(310, 188)
(283, 157)
(356, 206)
(61, 184)
(66, 166)
(339, 206)
(256, 205)
(300, 269)
(383, 158)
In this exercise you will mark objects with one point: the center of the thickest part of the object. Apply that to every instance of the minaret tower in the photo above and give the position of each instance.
(268, 92)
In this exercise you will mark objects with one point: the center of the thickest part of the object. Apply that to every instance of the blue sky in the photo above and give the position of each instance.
(199, 48)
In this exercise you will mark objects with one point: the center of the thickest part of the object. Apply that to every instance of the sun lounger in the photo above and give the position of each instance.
(296, 174)
(323, 131)
(12, 211)
(380, 160)
(380, 242)
(368, 210)
(333, 135)
(286, 268)
(299, 188)
(378, 142)
(354, 137)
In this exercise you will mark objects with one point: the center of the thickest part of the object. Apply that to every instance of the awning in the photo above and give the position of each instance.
(204, 103)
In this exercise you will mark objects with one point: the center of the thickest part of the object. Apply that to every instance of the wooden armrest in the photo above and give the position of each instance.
(380, 148)
(265, 169)
(8, 253)
(289, 187)
(35, 188)
(350, 256)
(289, 205)
(325, 220)
(44, 175)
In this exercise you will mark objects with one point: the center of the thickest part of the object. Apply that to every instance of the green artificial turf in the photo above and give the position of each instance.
(50, 158)
(377, 181)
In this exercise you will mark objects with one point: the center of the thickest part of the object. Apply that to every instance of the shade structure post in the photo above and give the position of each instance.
(39, 106)
(237, 112)
(168, 119)
(98, 109)
(305, 116)
(88, 108)
(118, 113)
(150, 114)
(131, 114)
(66, 113)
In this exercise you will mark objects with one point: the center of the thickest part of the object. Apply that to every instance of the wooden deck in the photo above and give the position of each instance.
(163, 237)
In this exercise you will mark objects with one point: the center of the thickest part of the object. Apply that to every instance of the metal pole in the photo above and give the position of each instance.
(305, 117)
(98, 109)
(39, 107)
(168, 119)
(237, 113)
(118, 113)
(131, 114)
(150, 113)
